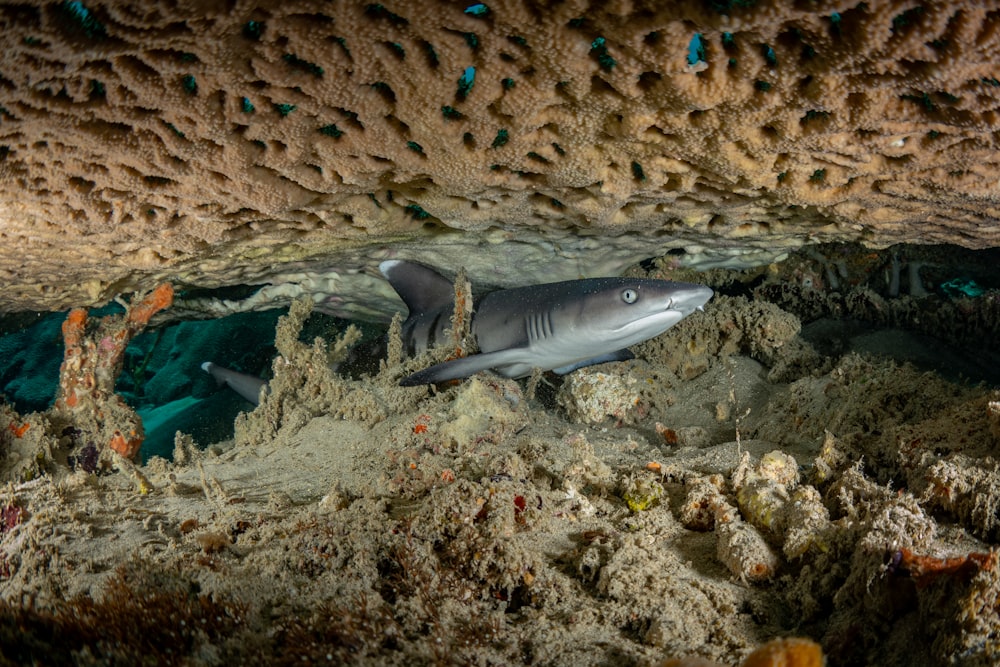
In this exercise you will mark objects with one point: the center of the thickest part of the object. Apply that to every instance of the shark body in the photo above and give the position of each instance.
(554, 326)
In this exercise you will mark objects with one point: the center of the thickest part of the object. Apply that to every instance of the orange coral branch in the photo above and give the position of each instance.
(91, 365)
(73, 328)
(160, 298)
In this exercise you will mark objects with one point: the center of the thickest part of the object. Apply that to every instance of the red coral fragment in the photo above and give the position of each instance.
(127, 447)
(10, 516)
(19, 431)
(421, 426)
(925, 570)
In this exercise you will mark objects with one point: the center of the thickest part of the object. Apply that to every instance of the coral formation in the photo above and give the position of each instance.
(86, 402)
(848, 499)
(848, 281)
(141, 617)
(591, 396)
(211, 145)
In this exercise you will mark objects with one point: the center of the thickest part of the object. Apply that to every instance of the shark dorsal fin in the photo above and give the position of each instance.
(421, 288)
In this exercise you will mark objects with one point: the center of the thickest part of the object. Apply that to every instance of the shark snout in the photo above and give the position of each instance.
(689, 298)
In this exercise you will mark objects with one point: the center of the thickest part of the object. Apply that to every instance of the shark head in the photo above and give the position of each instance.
(566, 325)
(620, 312)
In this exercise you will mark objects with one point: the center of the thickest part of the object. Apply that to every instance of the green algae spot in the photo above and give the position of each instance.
(465, 83)
(642, 495)
(814, 114)
(284, 109)
(174, 129)
(769, 56)
(479, 10)
(501, 139)
(343, 44)
(331, 130)
(923, 99)
(80, 18)
(599, 49)
(253, 30)
(417, 212)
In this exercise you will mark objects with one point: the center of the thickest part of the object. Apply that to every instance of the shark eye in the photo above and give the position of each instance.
(629, 295)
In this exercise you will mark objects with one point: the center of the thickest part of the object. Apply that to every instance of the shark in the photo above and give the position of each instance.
(559, 327)
(246, 385)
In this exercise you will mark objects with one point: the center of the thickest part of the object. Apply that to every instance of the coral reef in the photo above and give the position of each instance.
(142, 617)
(730, 509)
(731, 326)
(953, 297)
(211, 146)
(86, 404)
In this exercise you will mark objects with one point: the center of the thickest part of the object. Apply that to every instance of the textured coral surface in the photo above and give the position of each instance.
(751, 489)
(212, 144)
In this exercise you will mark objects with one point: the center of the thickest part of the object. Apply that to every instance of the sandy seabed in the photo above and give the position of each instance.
(729, 486)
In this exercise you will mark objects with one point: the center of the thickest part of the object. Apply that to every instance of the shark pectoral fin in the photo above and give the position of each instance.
(617, 355)
(461, 368)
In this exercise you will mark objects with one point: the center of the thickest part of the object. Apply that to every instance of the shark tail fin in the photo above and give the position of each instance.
(245, 385)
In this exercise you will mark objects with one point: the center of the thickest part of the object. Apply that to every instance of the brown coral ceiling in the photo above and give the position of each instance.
(178, 140)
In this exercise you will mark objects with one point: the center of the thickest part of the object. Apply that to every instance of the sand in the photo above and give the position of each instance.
(730, 485)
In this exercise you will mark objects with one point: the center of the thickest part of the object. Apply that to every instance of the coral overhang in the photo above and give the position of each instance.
(181, 141)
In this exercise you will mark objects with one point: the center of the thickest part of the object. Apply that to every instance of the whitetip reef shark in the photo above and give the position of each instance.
(557, 327)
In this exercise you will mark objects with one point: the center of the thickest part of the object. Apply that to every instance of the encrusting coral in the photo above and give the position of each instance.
(86, 403)
(219, 144)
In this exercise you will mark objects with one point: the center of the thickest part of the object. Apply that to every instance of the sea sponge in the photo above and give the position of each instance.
(217, 144)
